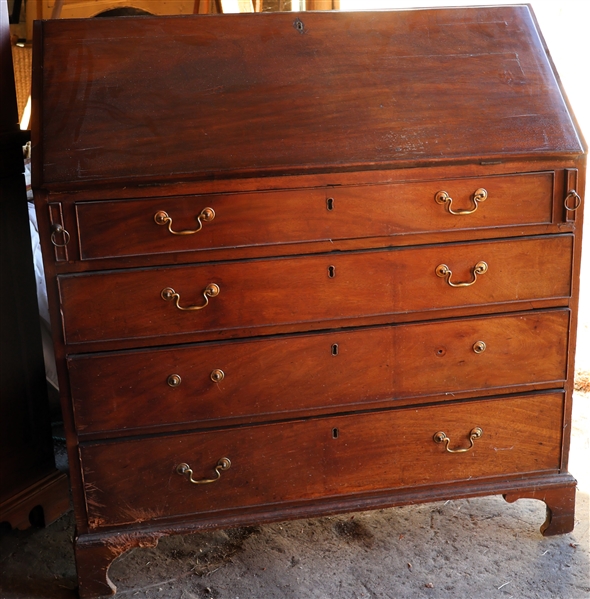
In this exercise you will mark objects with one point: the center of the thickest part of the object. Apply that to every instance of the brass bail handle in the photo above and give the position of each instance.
(443, 198)
(441, 437)
(161, 218)
(212, 290)
(443, 271)
(185, 470)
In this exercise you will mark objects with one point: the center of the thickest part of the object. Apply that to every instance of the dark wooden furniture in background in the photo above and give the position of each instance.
(29, 480)
(318, 263)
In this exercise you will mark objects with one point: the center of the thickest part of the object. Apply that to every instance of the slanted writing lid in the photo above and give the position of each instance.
(168, 98)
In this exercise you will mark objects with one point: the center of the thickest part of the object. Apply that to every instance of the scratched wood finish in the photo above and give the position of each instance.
(282, 291)
(303, 460)
(321, 149)
(115, 228)
(350, 90)
(276, 377)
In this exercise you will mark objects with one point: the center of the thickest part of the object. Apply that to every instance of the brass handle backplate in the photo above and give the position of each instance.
(441, 437)
(56, 230)
(174, 380)
(479, 347)
(442, 197)
(217, 375)
(442, 270)
(212, 290)
(162, 218)
(185, 470)
(572, 194)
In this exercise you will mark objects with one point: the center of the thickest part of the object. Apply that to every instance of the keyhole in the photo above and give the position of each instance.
(335, 433)
(331, 271)
(330, 203)
(298, 24)
(335, 349)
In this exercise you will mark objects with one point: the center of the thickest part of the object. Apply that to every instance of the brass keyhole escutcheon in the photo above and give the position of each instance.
(174, 380)
(479, 347)
(217, 375)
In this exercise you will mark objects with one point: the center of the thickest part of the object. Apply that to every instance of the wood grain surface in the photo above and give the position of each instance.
(354, 319)
(116, 228)
(303, 460)
(260, 293)
(302, 374)
(349, 91)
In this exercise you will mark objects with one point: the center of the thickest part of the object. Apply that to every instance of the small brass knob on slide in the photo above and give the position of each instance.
(577, 200)
(58, 230)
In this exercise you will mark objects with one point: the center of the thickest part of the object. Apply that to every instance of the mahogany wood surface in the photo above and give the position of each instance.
(323, 457)
(560, 507)
(127, 391)
(95, 558)
(64, 210)
(321, 151)
(275, 218)
(41, 503)
(326, 97)
(94, 551)
(128, 304)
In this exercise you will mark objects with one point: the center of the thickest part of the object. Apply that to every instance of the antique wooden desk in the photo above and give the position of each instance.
(317, 264)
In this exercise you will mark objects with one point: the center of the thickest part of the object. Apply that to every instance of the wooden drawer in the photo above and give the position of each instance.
(295, 374)
(127, 228)
(136, 480)
(329, 287)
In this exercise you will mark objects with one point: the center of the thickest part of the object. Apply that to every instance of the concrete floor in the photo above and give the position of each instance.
(478, 549)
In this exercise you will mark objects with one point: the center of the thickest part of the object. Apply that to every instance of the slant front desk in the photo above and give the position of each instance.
(306, 265)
